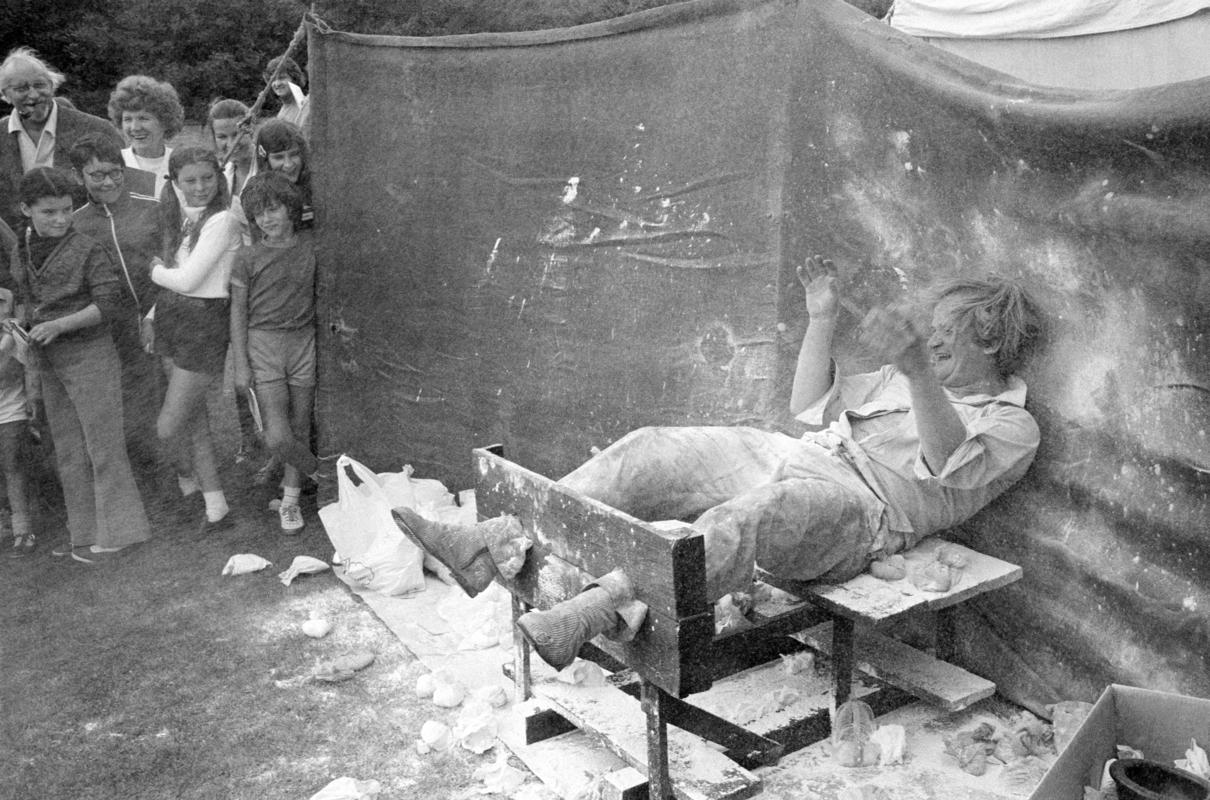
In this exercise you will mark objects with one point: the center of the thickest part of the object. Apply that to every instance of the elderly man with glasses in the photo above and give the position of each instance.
(40, 131)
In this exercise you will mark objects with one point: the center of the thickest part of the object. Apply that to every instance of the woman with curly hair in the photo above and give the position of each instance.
(148, 112)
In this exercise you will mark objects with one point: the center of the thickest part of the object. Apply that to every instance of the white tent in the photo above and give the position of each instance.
(1083, 44)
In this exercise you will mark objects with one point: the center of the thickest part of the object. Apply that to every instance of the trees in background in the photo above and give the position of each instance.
(205, 48)
(218, 48)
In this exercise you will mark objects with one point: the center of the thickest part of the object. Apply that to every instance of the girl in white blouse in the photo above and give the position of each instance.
(190, 330)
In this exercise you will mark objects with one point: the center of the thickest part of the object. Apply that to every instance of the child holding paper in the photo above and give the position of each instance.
(69, 288)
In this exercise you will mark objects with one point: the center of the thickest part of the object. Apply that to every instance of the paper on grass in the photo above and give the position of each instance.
(244, 563)
(302, 565)
(346, 788)
(254, 410)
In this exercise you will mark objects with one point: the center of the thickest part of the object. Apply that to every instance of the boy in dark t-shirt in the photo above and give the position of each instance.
(273, 329)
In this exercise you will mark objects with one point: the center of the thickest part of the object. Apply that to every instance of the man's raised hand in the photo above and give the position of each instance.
(889, 333)
(818, 278)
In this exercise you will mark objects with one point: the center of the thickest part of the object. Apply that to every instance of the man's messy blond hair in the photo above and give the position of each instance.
(1001, 313)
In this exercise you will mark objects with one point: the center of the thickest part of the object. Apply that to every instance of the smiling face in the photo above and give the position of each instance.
(281, 87)
(287, 162)
(958, 360)
(198, 182)
(29, 90)
(145, 133)
(51, 216)
(104, 181)
(274, 222)
(227, 139)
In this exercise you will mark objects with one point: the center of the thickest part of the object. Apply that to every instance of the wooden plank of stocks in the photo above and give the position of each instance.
(577, 539)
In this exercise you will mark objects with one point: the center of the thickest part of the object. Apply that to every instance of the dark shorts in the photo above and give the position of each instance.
(192, 332)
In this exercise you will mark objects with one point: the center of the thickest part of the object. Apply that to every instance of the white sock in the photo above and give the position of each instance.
(289, 495)
(216, 505)
(188, 484)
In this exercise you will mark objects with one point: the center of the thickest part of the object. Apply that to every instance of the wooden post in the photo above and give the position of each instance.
(945, 642)
(654, 702)
(842, 657)
(522, 677)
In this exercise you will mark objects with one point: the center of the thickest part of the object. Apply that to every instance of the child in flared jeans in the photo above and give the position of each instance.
(68, 286)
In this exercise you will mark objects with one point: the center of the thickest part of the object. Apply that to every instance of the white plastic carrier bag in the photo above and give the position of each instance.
(372, 552)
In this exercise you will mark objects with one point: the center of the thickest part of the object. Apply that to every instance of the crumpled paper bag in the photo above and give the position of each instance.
(302, 565)
(476, 727)
(498, 777)
(245, 563)
(1195, 761)
(434, 736)
(346, 788)
(582, 673)
(892, 739)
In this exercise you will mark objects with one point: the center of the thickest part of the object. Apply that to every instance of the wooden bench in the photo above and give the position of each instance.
(676, 653)
(859, 606)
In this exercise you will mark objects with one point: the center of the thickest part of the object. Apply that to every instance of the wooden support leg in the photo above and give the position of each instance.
(543, 723)
(946, 634)
(655, 705)
(522, 689)
(749, 750)
(842, 657)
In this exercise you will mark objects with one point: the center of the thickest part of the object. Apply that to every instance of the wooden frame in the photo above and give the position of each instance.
(676, 652)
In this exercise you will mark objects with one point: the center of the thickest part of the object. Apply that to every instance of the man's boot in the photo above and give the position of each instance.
(606, 606)
(471, 553)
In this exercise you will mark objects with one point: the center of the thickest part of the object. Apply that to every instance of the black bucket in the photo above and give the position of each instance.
(1140, 779)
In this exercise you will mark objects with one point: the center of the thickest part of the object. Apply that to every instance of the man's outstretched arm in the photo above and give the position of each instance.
(813, 373)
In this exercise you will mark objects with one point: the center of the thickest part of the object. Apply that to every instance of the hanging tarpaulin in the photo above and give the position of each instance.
(533, 237)
(549, 239)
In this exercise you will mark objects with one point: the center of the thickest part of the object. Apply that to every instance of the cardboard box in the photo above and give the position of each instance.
(1157, 723)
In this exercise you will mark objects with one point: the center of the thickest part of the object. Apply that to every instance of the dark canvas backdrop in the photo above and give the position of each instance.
(476, 305)
(473, 292)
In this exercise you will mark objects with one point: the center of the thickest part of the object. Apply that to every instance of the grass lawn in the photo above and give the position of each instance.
(156, 677)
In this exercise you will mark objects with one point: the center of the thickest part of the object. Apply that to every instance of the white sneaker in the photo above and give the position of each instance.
(291, 518)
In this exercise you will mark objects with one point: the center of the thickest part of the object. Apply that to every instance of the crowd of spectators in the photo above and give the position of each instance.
(135, 274)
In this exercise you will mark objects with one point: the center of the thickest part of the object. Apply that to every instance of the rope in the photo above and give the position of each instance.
(299, 35)
(319, 24)
(245, 125)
